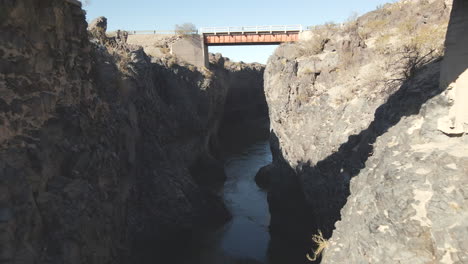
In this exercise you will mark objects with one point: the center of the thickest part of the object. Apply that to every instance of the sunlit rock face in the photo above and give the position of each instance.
(355, 114)
(409, 203)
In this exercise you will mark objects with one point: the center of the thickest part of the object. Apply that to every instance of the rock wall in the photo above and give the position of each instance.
(354, 113)
(409, 204)
(103, 153)
(245, 117)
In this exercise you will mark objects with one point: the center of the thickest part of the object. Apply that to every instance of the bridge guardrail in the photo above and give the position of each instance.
(227, 30)
(250, 29)
(154, 32)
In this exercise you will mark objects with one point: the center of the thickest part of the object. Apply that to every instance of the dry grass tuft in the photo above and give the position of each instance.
(322, 244)
(321, 35)
(121, 57)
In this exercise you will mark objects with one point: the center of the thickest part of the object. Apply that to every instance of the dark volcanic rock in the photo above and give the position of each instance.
(96, 142)
(245, 115)
(262, 178)
(98, 24)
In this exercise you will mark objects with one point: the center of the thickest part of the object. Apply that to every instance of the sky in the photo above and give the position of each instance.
(164, 15)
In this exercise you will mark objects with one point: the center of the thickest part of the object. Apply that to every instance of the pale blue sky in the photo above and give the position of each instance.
(163, 15)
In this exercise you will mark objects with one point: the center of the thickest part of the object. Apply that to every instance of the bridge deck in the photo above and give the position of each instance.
(249, 39)
(250, 35)
(251, 30)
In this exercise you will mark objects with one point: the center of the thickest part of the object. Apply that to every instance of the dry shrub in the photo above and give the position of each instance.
(413, 58)
(382, 43)
(207, 73)
(192, 68)
(330, 26)
(380, 7)
(315, 45)
(320, 36)
(407, 27)
(121, 58)
(425, 44)
(123, 64)
(321, 243)
(185, 29)
(430, 37)
(372, 27)
(171, 61)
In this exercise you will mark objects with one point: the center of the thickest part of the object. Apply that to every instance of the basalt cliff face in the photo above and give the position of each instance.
(103, 152)
(246, 111)
(360, 134)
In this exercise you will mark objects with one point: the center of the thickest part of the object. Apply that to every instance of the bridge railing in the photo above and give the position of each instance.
(250, 29)
(154, 32)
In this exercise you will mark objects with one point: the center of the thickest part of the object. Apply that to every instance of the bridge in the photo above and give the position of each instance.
(250, 35)
(194, 49)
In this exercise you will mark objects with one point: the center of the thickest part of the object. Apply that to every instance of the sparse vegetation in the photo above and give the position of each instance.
(316, 44)
(382, 43)
(321, 243)
(330, 25)
(121, 57)
(420, 45)
(399, 37)
(313, 46)
(372, 27)
(407, 27)
(191, 67)
(413, 58)
(185, 29)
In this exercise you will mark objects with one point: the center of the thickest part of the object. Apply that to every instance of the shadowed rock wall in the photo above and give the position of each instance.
(96, 143)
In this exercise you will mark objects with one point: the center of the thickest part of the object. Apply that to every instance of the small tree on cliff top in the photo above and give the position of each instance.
(185, 29)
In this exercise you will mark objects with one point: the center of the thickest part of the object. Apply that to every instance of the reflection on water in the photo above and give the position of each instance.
(247, 234)
(245, 238)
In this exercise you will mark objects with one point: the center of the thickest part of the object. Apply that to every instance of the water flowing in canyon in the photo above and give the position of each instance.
(245, 238)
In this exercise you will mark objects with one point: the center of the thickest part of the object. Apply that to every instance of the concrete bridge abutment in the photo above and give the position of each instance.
(192, 49)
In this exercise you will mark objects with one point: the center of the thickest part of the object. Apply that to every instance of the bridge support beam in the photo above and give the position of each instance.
(206, 54)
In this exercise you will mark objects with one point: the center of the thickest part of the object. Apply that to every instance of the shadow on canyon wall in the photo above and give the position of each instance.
(237, 111)
(294, 217)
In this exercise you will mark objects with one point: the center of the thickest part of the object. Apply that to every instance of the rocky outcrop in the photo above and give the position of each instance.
(409, 204)
(98, 144)
(354, 113)
(154, 45)
(98, 25)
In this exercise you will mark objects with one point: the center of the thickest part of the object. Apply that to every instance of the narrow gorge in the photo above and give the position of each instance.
(349, 146)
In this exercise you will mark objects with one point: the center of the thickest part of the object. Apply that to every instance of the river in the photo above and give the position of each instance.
(245, 238)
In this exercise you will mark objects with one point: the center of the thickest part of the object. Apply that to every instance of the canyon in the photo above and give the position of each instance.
(111, 152)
